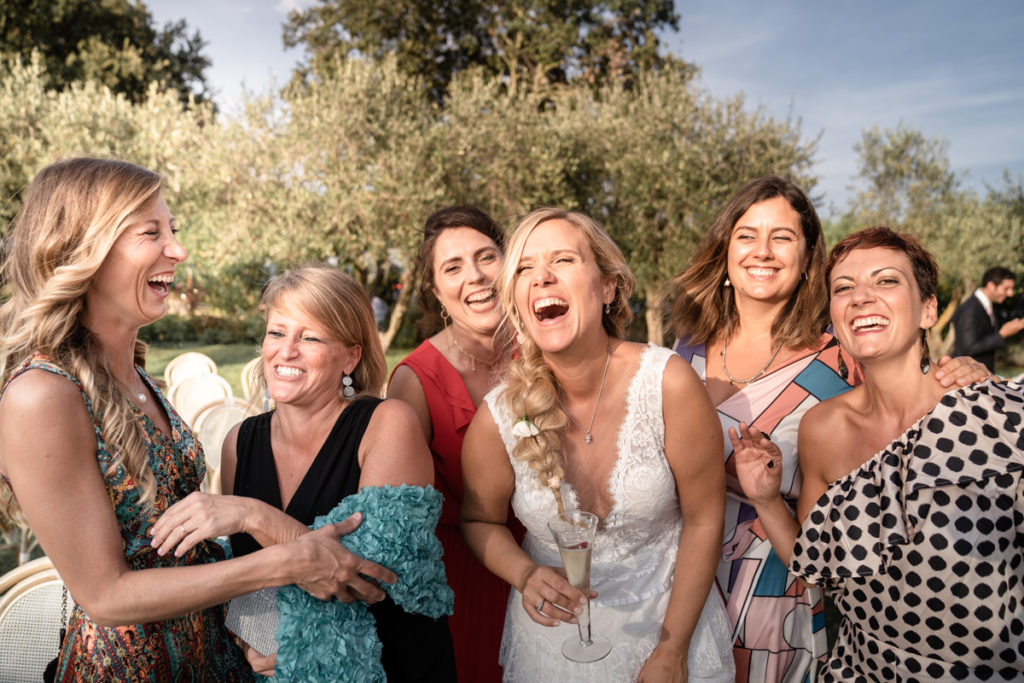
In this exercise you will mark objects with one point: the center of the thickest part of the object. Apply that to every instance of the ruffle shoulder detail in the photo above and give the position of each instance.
(972, 435)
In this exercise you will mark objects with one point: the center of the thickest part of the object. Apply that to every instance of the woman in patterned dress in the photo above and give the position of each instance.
(593, 407)
(913, 494)
(444, 380)
(91, 453)
(749, 315)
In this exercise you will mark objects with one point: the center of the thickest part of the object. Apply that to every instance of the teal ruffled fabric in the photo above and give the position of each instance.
(334, 641)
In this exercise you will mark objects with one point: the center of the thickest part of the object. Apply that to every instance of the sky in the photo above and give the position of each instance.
(953, 69)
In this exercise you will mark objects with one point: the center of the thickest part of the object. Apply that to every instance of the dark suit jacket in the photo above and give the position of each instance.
(975, 335)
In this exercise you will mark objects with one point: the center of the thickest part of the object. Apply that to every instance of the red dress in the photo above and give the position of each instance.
(480, 596)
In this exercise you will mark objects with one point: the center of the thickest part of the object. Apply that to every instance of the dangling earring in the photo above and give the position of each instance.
(444, 315)
(844, 372)
(926, 361)
(348, 391)
(607, 309)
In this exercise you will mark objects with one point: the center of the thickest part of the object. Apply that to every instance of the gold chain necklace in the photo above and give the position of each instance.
(760, 372)
(467, 354)
(586, 432)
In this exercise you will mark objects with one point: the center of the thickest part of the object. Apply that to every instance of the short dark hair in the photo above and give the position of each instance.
(460, 216)
(996, 275)
(926, 273)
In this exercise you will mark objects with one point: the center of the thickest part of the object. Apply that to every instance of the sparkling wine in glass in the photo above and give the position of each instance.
(574, 534)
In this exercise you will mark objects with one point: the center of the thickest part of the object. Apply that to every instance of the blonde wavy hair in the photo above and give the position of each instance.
(339, 303)
(531, 389)
(73, 213)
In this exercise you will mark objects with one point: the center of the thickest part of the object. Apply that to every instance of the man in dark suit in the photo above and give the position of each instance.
(974, 321)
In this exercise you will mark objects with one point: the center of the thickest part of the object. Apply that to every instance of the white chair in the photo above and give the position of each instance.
(30, 622)
(193, 394)
(214, 421)
(250, 383)
(22, 572)
(188, 364)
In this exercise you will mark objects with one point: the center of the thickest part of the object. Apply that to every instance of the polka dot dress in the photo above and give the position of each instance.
(924, 548)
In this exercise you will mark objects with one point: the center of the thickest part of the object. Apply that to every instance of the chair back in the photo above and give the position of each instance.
(214, 421)
(188, 364)
(22, 572)
(30, 623)
(193, 394)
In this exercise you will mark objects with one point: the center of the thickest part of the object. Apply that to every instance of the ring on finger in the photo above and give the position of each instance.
(540, 606)
(182, 527)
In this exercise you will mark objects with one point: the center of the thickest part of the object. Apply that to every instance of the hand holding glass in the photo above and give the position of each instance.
(574, 534)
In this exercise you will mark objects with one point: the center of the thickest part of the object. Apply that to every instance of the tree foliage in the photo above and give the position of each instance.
(113, 43)
(346, 168)
(550, 41)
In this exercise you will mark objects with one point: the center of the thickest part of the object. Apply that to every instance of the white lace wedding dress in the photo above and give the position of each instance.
(633, 561)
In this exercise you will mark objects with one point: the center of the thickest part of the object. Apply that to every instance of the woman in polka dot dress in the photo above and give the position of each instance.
(913, 497)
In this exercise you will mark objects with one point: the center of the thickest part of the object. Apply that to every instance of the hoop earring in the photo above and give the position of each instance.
(348, 392)
(926, 361)
(803, 276)
(844, 372)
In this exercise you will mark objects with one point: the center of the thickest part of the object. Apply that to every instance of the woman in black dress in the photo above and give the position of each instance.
(324, 368)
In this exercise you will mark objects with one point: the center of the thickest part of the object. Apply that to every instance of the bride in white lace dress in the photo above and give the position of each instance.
(595, 439)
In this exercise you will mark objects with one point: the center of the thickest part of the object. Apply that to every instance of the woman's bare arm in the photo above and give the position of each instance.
(693, 448)
(51, 465)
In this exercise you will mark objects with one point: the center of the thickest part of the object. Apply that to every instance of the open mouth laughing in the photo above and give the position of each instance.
(160, 283)
(550, 308)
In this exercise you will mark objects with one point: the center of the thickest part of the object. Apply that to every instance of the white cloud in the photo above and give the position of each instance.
(286, 6)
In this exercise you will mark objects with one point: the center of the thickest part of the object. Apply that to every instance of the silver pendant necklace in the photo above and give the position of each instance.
(586, 432)
(134, 391)
(760, 372)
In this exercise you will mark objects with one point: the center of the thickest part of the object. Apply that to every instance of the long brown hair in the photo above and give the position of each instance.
(704, 309)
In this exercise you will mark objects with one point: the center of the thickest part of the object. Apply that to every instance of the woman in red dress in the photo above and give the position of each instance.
(444, 380)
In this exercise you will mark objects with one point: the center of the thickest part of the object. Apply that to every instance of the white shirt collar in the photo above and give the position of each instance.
(985, 302)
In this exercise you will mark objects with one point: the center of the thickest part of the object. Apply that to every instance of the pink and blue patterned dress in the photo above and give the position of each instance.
(778, 625)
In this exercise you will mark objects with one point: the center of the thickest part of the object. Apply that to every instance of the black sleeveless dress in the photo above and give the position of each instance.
(415, 647)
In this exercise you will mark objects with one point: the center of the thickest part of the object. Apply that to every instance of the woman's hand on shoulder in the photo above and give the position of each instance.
(962, 370)
(758, 463)
(562, 601)
(393, 450)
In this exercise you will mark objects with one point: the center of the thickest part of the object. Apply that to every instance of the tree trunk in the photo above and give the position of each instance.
(653, 316)
(940, 344)
(401, 306)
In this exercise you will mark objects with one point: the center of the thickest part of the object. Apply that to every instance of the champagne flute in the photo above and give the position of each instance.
(574, 534)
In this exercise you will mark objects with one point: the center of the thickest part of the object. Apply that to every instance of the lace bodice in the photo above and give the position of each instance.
(635, 551)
